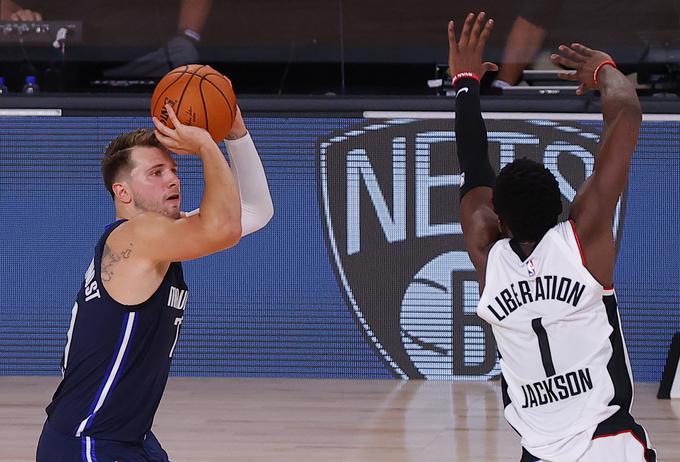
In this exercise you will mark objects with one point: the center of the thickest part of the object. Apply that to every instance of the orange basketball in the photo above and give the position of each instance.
(200, 96)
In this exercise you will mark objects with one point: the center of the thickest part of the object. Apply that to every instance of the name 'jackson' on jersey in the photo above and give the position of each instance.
(564, 367)
(117, 357)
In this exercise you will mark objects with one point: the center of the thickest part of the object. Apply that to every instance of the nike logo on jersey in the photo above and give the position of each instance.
(557, 388)
(542, 288)
(178, 298)
(462, 90)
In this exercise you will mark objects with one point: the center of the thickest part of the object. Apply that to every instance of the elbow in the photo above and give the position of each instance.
(263, 216)
(632, 110)
(630, 115)
(229, 236)
(232, 230)
(224, 233)
(267, 213)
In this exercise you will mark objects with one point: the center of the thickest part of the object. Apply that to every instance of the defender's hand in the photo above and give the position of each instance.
(465, 55)
(584, 61)
(183, 139)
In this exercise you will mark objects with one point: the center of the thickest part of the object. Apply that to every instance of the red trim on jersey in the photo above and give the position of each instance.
(578, 242)
(644, 446)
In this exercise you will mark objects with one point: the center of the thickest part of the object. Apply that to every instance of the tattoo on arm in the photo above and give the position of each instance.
(109, 260)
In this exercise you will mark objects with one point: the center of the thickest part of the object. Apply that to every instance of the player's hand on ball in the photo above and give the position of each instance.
(182, 139)
(584, 61)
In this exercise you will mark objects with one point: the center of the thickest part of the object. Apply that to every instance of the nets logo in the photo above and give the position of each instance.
(389, 199)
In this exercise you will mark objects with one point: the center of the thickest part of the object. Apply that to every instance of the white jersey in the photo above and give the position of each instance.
(552, 321)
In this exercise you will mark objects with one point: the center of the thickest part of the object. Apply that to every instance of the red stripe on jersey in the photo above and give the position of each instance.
(578, 242)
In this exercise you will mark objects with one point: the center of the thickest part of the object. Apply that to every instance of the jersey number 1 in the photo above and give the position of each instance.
(544, 347)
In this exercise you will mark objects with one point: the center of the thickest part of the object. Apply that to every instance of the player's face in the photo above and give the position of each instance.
(154, 182)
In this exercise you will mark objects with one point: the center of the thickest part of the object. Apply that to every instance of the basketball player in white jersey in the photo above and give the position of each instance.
(547, 286)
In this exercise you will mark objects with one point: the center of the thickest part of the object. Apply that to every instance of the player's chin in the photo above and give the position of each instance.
(173, 212)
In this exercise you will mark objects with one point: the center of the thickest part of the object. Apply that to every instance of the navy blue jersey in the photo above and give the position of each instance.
(117, 357)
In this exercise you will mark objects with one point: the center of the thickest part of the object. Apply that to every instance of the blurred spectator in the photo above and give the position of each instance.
(126, 23)
(612, 25)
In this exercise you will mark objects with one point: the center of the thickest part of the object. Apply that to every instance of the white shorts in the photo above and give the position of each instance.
(624, 446)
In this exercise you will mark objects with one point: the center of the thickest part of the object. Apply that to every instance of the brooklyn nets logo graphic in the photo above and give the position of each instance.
(390, 204)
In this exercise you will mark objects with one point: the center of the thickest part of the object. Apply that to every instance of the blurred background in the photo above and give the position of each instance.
(317, 46)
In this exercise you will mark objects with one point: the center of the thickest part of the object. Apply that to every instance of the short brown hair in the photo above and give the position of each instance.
(117, 155)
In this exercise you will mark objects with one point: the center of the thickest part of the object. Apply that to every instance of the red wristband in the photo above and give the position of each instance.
(464, 75)
(608, 62)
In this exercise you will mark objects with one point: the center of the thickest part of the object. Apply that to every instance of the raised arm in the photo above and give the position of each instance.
(595, 204)
(257, 208)
(160, 239)
(479, 221)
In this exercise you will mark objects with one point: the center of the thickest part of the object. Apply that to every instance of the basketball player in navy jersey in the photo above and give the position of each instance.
(546, 287)
(126, 320)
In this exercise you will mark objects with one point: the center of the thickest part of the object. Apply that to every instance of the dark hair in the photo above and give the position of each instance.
(527, 199)
(117, 155)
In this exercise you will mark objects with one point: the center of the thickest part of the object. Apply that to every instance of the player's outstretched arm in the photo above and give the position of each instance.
(479, 221)
(217, 226)
(595, 204)
(257, 208)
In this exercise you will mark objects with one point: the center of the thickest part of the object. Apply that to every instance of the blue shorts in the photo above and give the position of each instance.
(57, 447)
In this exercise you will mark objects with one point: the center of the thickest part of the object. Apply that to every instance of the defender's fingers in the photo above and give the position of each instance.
(571, 54)
(453, 44)
(465, 33)
(476, 29)
(584, 50)
(452, 33)
(581, 89)
(571, 76)
(485, 34)
(558, 59)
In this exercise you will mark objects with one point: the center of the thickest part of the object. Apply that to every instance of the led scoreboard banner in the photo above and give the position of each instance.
(362, 272)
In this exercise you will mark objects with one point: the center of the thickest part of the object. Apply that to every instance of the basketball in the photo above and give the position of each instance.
(200, 96)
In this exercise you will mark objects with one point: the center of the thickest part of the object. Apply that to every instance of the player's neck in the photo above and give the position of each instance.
(523, 248)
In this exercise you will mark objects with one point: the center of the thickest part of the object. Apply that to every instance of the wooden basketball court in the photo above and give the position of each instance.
(258, 420)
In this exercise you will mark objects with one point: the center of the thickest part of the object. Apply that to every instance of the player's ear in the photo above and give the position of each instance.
(122, 192)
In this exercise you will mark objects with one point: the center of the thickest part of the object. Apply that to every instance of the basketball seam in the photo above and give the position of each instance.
(179, 103)
(204, 77)
(233, 112)
(153, 109)
(205, 108)
(195, 73)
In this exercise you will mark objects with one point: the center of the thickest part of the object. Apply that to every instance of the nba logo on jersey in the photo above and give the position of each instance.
(531, 269)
